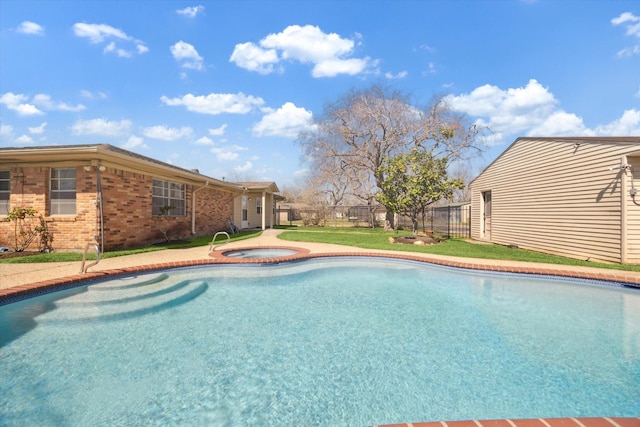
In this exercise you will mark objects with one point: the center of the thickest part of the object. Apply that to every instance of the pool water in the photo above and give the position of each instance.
(345, 341)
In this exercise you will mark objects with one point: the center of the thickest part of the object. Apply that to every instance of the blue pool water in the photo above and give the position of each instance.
(345, 341)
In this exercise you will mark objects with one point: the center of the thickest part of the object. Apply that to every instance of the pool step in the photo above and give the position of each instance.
(124, 300)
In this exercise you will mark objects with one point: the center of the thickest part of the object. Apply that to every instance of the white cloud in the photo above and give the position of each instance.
(23, 106)
(627, 125)
(167, 134)
(329, 53)
(38, 130)
(44, 101)
(254, 58)
(101, 127)
(205, 140)
(400, 75)
(244, 168)
(190, 12)
(532, 111)
(511, 111)
(216, 103)
(24, 139)
(28, 27)
(218, 131)
(222, 154)
(228, 153)
(560, 123)
(333, 67)
(187, 55)
(17, 103)
(134, 142)
(100, 33)
(287, 121)
(90, 95)
(632, 26)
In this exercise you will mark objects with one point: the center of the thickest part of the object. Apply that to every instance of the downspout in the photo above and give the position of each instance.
(193, 207)
(623, 209)
(264, 204)
(99, 188)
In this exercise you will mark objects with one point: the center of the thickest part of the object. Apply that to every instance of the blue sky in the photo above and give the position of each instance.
(224, 86)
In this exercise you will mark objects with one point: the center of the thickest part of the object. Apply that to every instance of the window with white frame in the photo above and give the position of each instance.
(5, 191)
(258, 205)
(62, 191)
(168, 198)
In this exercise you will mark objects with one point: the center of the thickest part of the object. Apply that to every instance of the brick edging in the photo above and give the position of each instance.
(533, 422)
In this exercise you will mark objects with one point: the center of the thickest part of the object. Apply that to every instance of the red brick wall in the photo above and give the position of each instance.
(30, 189)
(126, 204)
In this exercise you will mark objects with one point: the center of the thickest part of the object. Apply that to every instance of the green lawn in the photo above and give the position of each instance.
(75, 256)
(378, 239)
(365, 238)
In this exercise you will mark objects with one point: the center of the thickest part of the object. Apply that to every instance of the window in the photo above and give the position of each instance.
(168, 198)
(5, 192)
(63, 191)
(258, 205)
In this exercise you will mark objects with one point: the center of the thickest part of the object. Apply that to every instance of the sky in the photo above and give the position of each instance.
(226, 86)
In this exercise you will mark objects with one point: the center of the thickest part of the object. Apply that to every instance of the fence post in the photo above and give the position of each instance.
(469, 216)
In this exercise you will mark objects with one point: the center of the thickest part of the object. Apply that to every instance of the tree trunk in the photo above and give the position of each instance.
(414, 225)
(389, 221)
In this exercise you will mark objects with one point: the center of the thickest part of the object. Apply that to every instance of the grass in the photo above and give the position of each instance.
(75, 256)
(378, 239)
(365, 238)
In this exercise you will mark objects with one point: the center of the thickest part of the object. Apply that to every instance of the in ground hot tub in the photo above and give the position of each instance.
(260, 253)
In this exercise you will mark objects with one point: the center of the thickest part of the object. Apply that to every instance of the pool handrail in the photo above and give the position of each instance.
(83, 267)
(212, 246)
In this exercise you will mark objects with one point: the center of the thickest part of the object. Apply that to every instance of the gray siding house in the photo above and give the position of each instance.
(575, 197)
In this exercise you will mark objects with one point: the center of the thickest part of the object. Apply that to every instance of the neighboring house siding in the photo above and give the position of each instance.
(555, 197)
(633, 212)
(255, 219)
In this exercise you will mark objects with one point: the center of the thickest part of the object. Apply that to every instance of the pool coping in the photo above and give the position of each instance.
(532, 422)
(15, 293)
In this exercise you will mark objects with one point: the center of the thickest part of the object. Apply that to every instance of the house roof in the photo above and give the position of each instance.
(109, 156)
(267, 186)
(632, 141)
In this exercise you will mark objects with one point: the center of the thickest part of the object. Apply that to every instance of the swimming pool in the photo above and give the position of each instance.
(345, 341)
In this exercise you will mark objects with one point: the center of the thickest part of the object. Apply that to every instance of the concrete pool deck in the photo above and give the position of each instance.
(23, 278)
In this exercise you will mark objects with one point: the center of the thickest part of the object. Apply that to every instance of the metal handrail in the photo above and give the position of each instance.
(83, 268)
(212, 246)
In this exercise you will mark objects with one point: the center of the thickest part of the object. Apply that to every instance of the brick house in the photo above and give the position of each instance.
(113, 197)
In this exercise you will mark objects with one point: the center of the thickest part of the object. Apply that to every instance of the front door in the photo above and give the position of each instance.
(245, 219)
(486, 215)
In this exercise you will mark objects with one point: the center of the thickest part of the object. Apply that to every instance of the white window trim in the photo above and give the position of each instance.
(167, 199)
(5, 200)
(52, 199)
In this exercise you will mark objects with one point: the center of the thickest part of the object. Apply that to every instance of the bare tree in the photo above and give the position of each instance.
(363, 128)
